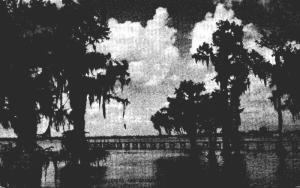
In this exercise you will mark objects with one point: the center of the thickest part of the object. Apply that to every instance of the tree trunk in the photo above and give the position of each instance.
(280, 118)
(278, 97)
(236, 122)
(280, 148)
(193, 143)
(78, 145)
(212, 158)
(236, 141)
(24, 162)
(192, 136)
(212, 141)
(26, 134)
(78, 105)
(25, 125)
(226, 142)
(24, 108)
(226, 127)
(278, 62)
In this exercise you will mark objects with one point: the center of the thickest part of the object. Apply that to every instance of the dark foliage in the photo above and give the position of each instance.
(191, 112)
(233, 65)
(50, 61)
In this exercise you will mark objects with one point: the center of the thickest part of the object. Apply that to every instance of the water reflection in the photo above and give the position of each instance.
(162, 169)
(22, 170)
(192, 172)
(281, 173)
(234, 172)
(81, 176)
(286, 175)
(41, 168)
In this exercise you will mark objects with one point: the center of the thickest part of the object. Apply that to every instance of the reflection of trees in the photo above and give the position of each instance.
(234, 171)
(81, 176)
(191, 172)
(287, 176)
(22, 170)
(179, 172)
(281, 172)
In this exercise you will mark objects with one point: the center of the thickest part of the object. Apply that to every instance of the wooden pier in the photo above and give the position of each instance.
(164, 143)
(248, 144)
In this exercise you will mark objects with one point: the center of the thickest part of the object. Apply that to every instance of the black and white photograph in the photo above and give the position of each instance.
(149, 94)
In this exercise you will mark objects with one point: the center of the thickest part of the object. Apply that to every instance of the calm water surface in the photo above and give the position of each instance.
(146, 168)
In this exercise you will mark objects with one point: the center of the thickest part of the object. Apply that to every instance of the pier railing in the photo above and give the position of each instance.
(246, 145)
(167, 143)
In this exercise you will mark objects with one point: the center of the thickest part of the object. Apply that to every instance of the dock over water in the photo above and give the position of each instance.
(163, 143)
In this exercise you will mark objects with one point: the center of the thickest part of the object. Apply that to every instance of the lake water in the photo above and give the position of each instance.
(158, 168)
(175, 168)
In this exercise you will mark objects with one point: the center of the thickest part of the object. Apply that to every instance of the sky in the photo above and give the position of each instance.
(157, 38)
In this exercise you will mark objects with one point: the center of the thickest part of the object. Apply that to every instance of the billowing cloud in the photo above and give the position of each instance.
(251, 37)
(57, 2)
(210, 84)
(203, 31)
(150, 49)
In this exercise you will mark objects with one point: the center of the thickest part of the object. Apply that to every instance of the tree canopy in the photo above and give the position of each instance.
(233, 64)
(189, 112)
(49, 56)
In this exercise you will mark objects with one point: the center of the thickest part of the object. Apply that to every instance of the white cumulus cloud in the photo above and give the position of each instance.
(57, 2)
(203, 31)
(150, 49)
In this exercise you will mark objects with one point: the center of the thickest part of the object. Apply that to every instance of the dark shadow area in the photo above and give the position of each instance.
(192, 172)
(287, 177)
(82, 163)
(76, 150)
(234, 172)
(20, 169)
(75, 175)
(179, 172)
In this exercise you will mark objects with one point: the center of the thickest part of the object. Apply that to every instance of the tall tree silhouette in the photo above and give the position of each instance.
(278, 79)
(233, 64)
(279, 22)
(282, 74)
(51, 54)
(81, 71)
(291, 58)
(213, 119)
(26, 94)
